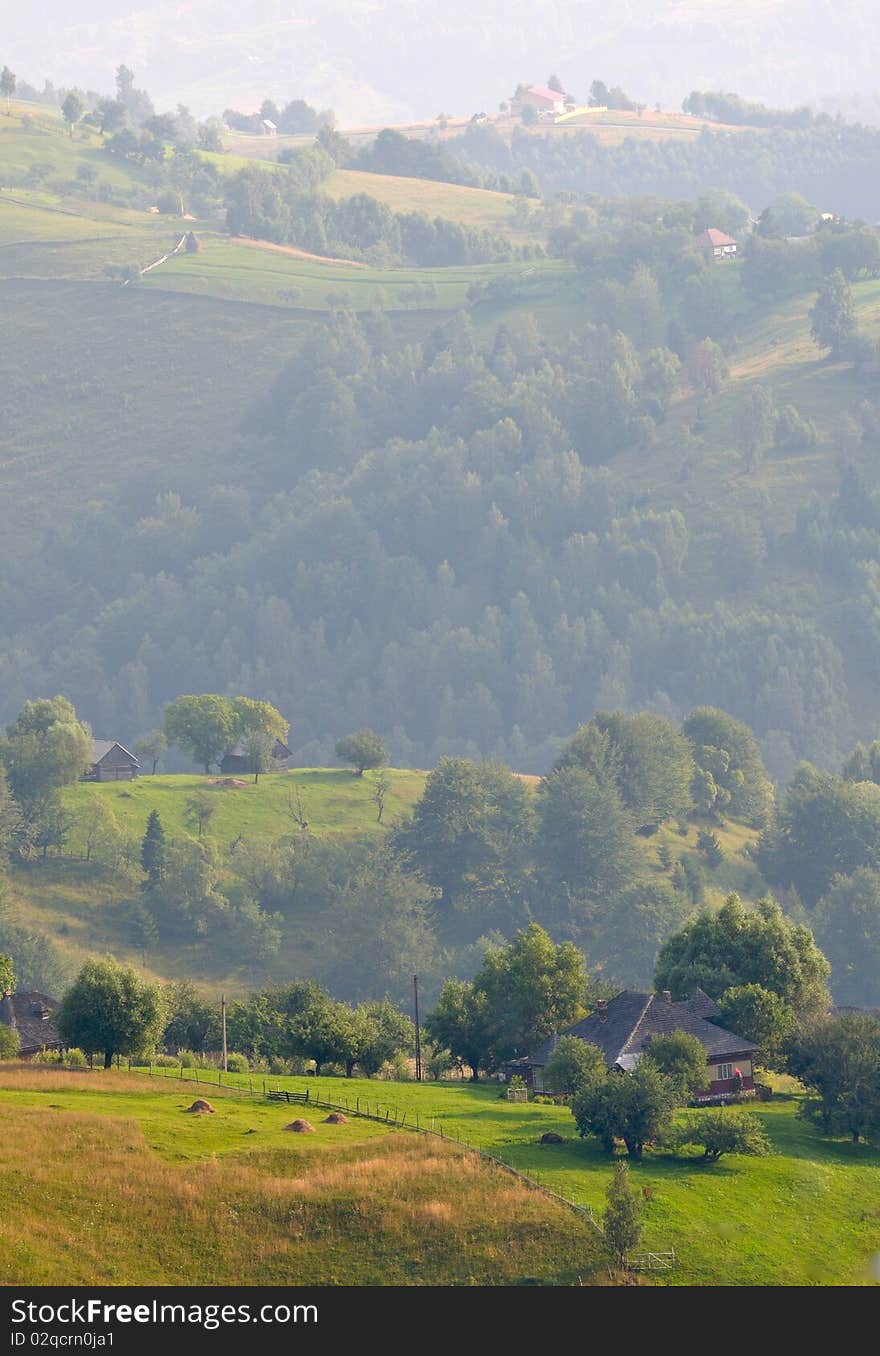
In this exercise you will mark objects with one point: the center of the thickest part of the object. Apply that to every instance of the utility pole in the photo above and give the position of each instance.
(418, 1031)
(223, 1017)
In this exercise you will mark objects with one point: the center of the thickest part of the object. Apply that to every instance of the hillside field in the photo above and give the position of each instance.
(154, 1188)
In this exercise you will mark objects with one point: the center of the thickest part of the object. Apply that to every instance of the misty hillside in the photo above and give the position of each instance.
(391, 60)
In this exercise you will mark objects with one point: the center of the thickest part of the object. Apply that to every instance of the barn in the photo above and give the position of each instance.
(111, 762)
(237, 760)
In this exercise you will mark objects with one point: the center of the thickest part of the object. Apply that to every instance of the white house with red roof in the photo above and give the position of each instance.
(722, 246)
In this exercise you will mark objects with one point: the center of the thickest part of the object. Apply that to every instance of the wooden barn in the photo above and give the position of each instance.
(32, 1015)
(236, 761)
(111, 763)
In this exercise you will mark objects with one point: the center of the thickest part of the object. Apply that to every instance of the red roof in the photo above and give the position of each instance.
(714, 238)
(544, 92)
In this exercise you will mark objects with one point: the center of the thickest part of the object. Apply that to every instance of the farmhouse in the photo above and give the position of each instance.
(622, 1027)
(111, 763)
(543, 98)
(720, 245)
(268, 127)
(237, 760)
(32, 1016)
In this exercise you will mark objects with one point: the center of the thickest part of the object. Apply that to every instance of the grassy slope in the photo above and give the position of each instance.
(153, 1189)
(806, 1215)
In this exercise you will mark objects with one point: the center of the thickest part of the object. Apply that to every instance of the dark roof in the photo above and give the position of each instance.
(630, 1020)
(32, 1016)
(101, 747)
(279, 750)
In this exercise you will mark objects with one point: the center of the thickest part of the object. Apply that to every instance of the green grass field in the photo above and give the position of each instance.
(106, 1179)
(335, 801)
(806, 1215)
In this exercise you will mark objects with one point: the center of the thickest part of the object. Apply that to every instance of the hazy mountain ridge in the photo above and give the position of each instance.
(386, 60)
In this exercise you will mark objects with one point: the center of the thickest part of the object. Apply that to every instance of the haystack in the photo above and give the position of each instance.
(551, 1137)
(336, 1118)
(200, 1108)
(301, 1127)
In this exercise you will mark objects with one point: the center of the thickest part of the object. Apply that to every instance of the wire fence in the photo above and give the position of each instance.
(376, 1111)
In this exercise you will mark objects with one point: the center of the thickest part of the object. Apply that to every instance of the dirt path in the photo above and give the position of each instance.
(292, 249)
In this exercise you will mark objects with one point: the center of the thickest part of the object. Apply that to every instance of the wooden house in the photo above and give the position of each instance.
(32, 1015)
(622, 1027)
(111, 763)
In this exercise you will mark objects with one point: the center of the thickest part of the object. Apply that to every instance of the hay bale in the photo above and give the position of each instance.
(301, 1127)
(336, 1118)
(200, 1108)
(551, 1137)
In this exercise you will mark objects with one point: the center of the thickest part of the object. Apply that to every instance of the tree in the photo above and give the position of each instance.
(192, 1021)
(199, 810)
(833, 318)
(532, 988)
(382, 1032)
(706, 367)
(10, 818)
(153, 857)
(621, 1223)
(554, 83)
(459, 1023)
(824, 827)
(648, 760)
(838, 1059)
(110, 1010)
(259, 726)
(636, 1107)
(471, 829)
(585, 841)
(124, 84)
(760, 1015)
(573, 1066)
(72, 110)
(726, 750)
(847, 923)
(325, 1031)
(45, 748)
(7, 975)
(755, 424)
(204, 726)
(7, 85)
(381, 787)
(111, 114)
(722, 1132)
(682, 1059)
(152, 746)
(364, 749)
(10, 1042)
(97, 827)
(737, 946)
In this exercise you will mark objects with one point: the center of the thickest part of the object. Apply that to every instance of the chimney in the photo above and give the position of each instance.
(601, 1008)
(667, 995)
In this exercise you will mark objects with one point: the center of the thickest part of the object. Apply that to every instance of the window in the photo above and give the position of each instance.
(725, 1071)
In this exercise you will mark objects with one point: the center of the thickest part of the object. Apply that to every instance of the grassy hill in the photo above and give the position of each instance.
(351, 1204)
(360, 1204)
(805, 1215)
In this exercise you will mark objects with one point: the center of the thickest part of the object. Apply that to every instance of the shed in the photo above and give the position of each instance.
(237, 760)
(111, 762)
(269, 128)
(720, 246)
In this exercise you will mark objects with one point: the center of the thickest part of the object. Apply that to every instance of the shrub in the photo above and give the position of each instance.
(187, 1059)
(74, 1058)
(722, 1132)
(9, 1042)
(237, 1063)
(47, 1057)
(166, 1062)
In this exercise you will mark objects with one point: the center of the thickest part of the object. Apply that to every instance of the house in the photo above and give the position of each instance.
(32, 1015)
(622, 1027)
(111, 763)
(237, 760)
(268, 127)
(544, 99)
(722, 246)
